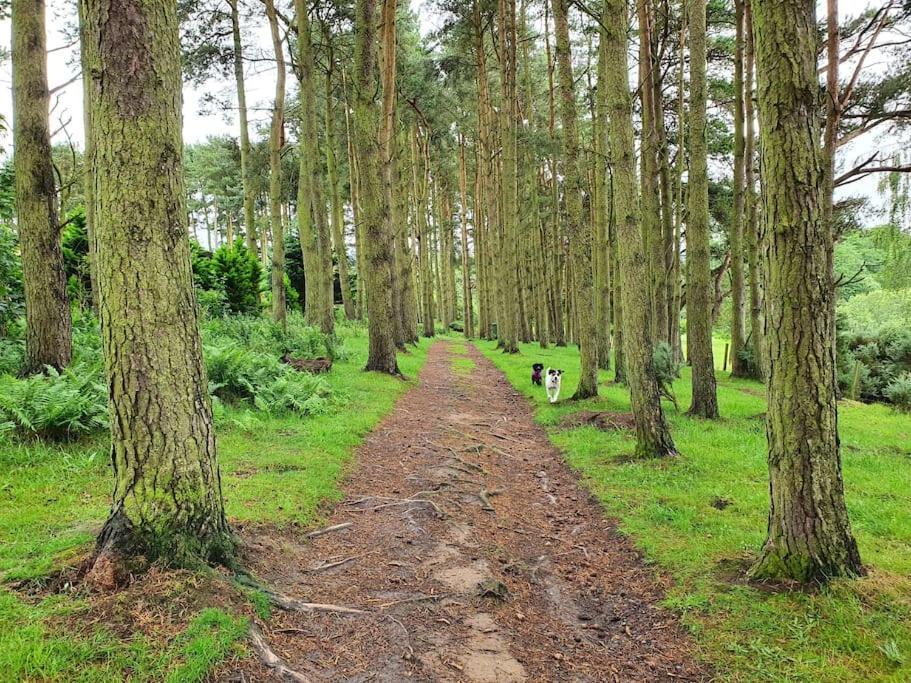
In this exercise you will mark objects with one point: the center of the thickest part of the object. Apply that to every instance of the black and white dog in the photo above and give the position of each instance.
(536, 371)
(552, 386)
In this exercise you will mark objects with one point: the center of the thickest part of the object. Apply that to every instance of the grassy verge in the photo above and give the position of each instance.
(701, 518)
(53, 498)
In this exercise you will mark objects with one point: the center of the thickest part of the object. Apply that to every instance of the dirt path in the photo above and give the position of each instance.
(475, 554)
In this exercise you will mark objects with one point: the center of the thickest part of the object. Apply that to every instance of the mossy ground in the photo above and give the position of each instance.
(276, 470)
(701, 518)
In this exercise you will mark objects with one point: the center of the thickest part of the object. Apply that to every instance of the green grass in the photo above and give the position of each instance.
(848, 631)
(53, 498)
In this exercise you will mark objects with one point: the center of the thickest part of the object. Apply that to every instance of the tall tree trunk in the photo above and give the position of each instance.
(338, 210)
(651, 223)
(555, 246)
(246, 178)
(404, 250)
(751, 224)
(378, 256)
(507, 328)
(48, 339)
(313, 231)
(738, 328)
(809, 535)
(167, 487)
(578, 229)
(387, 144)
(276, 140)
(467, 306)
(698, 280)
(419, 161)
(360, 302)
(677, 291)
(653, 437)
(602, 260)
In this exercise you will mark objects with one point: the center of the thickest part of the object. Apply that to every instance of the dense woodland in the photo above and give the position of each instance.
(641, 180)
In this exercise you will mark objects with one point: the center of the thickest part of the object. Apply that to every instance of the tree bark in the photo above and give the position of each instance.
(652, 435)
(276, 139)
(809, 536)
(378, 255)
(579, 232)
(313, 229)
(650, 208)
(467, 305)
(507, 328)
(167, 487)
(249, 215)
(338, 210)
(751, 224)
(49, 327)
(738, 328)
(698, 281)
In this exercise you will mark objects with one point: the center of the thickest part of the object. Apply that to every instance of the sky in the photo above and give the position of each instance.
(199, 124)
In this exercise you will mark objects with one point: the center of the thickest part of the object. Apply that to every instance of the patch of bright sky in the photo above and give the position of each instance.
(201, 122)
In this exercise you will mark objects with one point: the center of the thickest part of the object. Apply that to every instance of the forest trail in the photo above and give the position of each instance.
(474, 553)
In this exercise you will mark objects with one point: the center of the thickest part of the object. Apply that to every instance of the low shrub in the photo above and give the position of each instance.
(868, 364)
(898, 392)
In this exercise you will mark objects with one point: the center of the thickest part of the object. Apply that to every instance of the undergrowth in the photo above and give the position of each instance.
(278, 468)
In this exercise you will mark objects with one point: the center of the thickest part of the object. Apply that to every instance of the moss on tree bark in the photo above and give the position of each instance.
(167, 487)
(809, 535)
(48, 338)
(653, 437)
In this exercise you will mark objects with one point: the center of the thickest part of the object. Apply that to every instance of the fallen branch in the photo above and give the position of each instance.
(331, 565)
(329, 529)
(268, 657)
(419, 598)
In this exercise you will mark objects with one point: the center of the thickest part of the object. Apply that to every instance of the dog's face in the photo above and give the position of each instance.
(537, 367)
(554, 373)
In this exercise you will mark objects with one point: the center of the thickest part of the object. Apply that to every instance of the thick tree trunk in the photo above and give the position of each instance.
(652, 435)
(167, 492)
(809, 535)
(378, 255)
(48, 339)
(249, 216)
(698, 280)
(579, 231)
(276, 139)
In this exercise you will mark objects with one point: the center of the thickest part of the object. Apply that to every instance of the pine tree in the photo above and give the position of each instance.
(48, 341)
(378, 254)
(579, 231)
(809, 536)
(276, 141)
(652, 434)
(698, 266)
(167, 487)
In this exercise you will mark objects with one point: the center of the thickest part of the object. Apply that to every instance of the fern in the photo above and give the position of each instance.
(57, 405)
